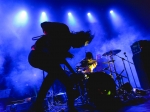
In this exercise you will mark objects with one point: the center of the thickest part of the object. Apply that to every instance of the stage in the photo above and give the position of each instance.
(139, 103)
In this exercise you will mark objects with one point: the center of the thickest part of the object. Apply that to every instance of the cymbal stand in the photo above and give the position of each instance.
(117, 76)
(130, 69)
(109, 66)
(124, 67)
(120, 78)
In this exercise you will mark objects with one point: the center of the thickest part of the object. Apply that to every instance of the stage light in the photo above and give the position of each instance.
(23, 14)
(91, 17)
(116, 19)
(21, 18)
(69, 14)
(71, 18)
(88, 13)
(43, 17)
(113, 14)
(111, 11)
(43, 14)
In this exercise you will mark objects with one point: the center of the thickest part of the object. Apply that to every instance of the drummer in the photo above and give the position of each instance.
(88, 64)
(84, 68)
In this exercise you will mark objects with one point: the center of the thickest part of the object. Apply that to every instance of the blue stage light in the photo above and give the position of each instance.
(21, 18)
(91, 18)
(71, 19)
(69, 14)
(43, 17)
(111, 11)
(88, 13)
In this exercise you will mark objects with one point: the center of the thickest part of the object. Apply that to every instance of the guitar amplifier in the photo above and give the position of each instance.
(135, 47)
(140, 46)
(141, 59)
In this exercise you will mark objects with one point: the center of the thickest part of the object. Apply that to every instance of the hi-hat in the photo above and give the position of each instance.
(112, 52)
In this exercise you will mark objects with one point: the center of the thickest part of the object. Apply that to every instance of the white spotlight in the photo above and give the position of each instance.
(88, 14)
(69, 14)
(21, 18)
(43, 17)
(23, 14)
(43, 14)
(111, 11)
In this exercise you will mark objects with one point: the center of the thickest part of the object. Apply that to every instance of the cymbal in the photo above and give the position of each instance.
(112, 52)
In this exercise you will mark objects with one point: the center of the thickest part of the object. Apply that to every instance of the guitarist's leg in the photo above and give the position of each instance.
(69, 88)
(45, 86)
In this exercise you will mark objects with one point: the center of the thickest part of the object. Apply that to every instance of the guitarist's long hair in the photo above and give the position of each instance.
(79, 38)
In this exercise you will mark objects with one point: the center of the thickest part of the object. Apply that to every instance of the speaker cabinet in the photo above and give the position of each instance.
(142, 69)
(141, 61)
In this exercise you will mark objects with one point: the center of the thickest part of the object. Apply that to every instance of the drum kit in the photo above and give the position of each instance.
(99, 88)
(112, 66)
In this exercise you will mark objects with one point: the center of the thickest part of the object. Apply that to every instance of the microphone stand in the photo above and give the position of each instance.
(130, 69)
(124, 67)
(120, 78)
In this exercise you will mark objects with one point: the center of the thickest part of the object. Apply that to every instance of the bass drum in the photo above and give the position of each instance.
(101, 89)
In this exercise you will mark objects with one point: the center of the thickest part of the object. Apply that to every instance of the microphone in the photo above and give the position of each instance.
(125, 54)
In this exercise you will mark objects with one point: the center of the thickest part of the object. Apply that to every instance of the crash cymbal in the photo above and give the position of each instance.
(112, 52)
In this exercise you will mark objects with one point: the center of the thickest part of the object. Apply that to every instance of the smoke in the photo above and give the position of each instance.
(16, 42)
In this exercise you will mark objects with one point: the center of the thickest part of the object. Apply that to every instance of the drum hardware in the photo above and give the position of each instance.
(119, 77)
(141, 92)
(126, 69)
(82, 95)
(80, 86)
(96, 93)
(60, 98)
(111, 61)
(97, 89)
(103, 70)
(127, 89)
(126, 93)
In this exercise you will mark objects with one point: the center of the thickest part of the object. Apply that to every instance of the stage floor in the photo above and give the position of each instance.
(140, 104)
(141, 107)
